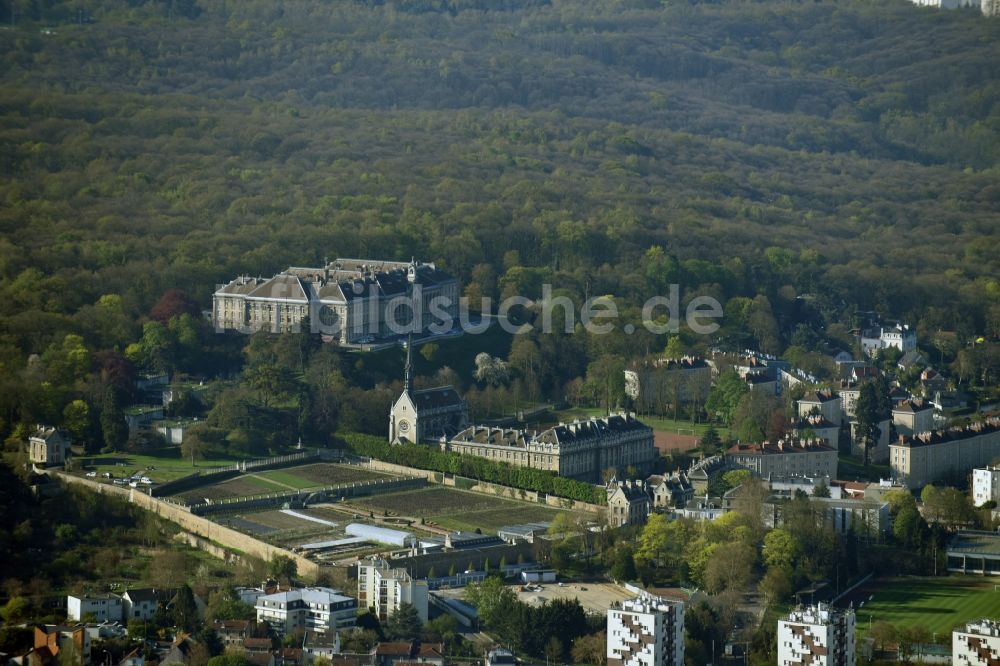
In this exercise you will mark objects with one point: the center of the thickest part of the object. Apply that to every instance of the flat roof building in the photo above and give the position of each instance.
(818, 635)
(646, 631)
(977, 643)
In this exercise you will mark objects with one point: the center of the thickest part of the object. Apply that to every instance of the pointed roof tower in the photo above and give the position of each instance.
(408, 380)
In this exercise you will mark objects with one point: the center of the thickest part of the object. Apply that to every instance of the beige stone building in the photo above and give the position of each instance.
(579, 450)
(913, 416)
(786, 458)
(629, 502)
(654, 384)
(428, 415)
(49, 446)
(349, 300)
(931, 456)
(880, 452)
(825, 403)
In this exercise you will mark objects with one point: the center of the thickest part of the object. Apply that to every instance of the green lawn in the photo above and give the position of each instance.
(936, 603)
(850, 468)
(167, 462)
(289, 479)
(680, 426)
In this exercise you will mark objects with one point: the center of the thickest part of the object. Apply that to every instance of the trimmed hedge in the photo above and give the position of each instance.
(473, 467)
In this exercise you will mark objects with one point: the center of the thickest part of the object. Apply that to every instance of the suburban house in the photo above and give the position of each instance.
(49, 446)
(629, 502)
(142, 603)
(53, 643)
(670, 490)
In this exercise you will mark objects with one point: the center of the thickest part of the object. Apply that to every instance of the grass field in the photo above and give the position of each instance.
(167, 464)
(241, 486)
(680, 426)
(936, 603)
(458, 509)
(321, 474)
(851, 468)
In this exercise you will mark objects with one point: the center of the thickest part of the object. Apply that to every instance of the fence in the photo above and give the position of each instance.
(218, 474)
(482, 487)
(300, 497)
(236, 542)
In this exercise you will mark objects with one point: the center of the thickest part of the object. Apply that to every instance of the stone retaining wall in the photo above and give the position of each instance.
(203, 527)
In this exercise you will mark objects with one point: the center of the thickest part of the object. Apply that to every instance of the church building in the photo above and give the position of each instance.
(426, 415)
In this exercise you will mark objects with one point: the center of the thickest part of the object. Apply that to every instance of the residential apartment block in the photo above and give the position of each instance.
(384, 588)
(977, 643)
(350, 300)
(824, 403)
(103, 607)
(913, 416)
(310, 608)
(930, 456)
(985, 485)
(579, 450)
(786, 458)
(818, 635)
(646, 631)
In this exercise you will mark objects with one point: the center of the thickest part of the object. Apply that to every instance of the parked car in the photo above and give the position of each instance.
(92, 474)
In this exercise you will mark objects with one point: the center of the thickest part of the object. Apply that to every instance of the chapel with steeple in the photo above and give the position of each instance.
(426, 415)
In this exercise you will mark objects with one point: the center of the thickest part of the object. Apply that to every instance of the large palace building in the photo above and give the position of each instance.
(579, 450)
(349, 300)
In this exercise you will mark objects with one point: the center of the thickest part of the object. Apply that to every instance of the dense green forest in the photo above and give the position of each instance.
(798, 161)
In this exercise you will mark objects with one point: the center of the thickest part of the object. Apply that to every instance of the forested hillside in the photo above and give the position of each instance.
(844, 152)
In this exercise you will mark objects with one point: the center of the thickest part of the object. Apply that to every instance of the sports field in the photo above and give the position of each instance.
(936, 603)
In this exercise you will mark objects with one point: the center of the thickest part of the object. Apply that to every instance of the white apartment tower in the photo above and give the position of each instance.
(985, 485)
(976, 643)
(646, 631)
(384, 588)
(818, 635)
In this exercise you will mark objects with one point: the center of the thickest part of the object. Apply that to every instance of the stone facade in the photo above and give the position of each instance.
(629, 502)
(48, 446)
(929, 457)
(349, 300)
(913, 416)
(825, 403)
(579, 450)
(427, 415)
(786, 458)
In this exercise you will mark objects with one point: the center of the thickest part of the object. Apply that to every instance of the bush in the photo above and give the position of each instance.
(482, 469)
